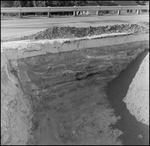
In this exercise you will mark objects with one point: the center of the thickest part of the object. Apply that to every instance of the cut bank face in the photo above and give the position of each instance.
(55, 88)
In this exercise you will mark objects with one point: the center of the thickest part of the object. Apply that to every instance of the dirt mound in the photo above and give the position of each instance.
(144, 23)
(74, 32)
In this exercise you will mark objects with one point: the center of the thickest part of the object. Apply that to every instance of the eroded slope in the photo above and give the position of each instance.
(137, 98)
(15, 111)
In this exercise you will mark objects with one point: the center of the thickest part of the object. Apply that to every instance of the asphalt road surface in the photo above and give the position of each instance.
(14, 27)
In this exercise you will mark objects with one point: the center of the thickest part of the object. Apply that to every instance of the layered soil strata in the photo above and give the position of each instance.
(64, 88)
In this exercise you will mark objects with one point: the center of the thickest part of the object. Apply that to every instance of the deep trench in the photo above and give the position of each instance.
(116, 91)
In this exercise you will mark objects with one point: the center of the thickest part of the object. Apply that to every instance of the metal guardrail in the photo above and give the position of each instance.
(69, 9)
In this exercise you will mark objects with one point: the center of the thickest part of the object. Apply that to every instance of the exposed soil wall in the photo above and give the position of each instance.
(59, 88)
(134, 132)
(15, 111)
(137, 98)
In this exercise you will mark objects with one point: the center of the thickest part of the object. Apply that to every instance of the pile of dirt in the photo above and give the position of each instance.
(74, 32)
(144, 23)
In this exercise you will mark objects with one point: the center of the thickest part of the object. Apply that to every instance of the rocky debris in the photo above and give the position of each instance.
(74, 32)
(140, 136)
(144, 23)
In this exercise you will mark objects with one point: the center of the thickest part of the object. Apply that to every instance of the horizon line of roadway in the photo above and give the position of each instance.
(15, 27)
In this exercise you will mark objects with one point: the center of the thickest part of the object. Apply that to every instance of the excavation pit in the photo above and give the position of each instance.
(53, 91)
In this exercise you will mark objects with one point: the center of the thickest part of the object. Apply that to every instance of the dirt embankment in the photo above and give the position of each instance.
(134, 132)
(73, 32)
(137, 98)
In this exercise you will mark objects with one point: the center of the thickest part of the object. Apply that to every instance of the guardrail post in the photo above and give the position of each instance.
(20, 15)
(74, 12)
(119, 12)
(97, 12)
(48, 13)
(138, 11)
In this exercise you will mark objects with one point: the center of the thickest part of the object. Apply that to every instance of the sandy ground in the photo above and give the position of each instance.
(137, 98)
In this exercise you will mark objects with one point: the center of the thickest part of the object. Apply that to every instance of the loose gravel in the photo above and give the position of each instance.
(144, 23)
(74, 32)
